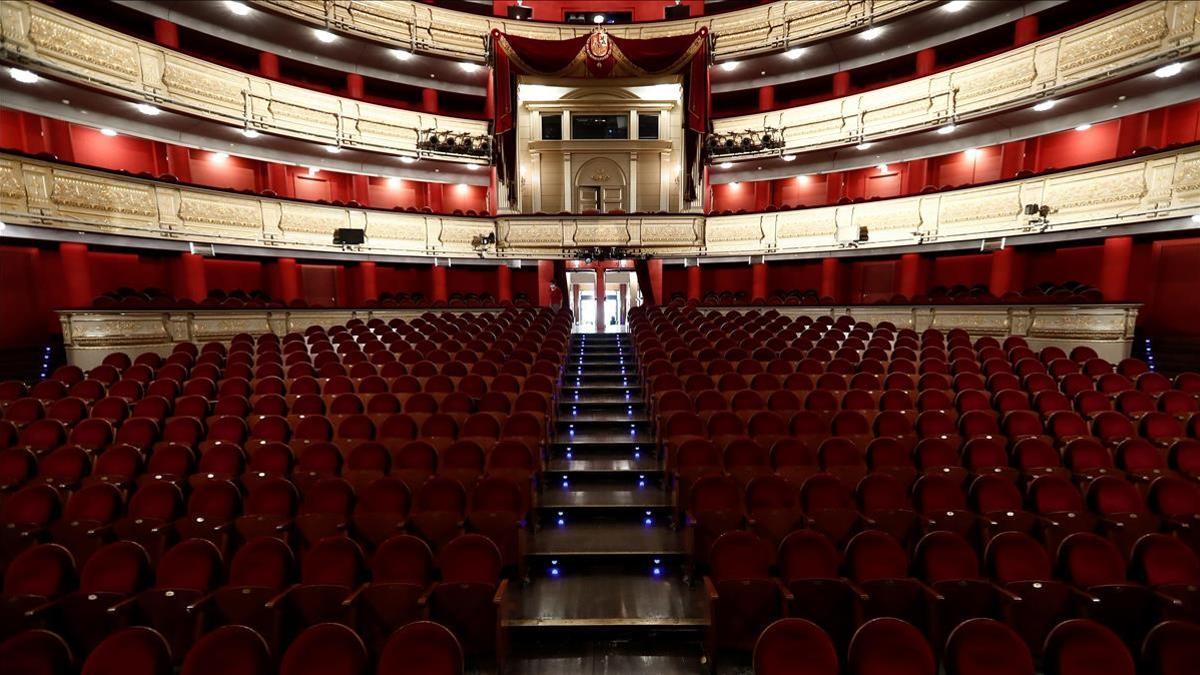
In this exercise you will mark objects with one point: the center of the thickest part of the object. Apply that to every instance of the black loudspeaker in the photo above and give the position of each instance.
(677, 11)
(520, 12)
(346, 236)
(862, 233)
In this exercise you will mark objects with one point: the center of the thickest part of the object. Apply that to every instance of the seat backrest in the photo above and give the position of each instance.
(1086, 560)
(45, 570)
(808, 554)
(794, 647)
(470, 558)
(872, 555)
(120, 567)
(1172, 648)
(1016, 556)
(265, 562)
(738, 554)
(945, 556)
(986, 647)
(37, 652)
(421, 648)
(1084, 647)
(325, 649)
(1159, 559)
(229, 650)
(131, 651)
(333, 561)
(402, 559)
(194, 564)
(889, 646)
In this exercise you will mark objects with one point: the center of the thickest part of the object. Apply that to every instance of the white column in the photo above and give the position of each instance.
(633, 182)
(666, 170)
(566, 125)
(568, 183)
(535, 179)
(633, 125)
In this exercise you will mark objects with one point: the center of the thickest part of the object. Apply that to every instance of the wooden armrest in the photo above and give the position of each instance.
(1006, 594)
(862, 595)
(499, 597)
(1084, 596)
(353, 597)
(931, 593)
(201, 603)
(710, 589)
(783, 590)
(274, 602)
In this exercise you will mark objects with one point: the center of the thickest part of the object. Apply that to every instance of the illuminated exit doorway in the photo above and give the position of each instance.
(603, 307)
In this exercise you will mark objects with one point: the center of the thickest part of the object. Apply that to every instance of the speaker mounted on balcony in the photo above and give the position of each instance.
(520, 12)
(348, 236)
(863, 235)
(677, 12)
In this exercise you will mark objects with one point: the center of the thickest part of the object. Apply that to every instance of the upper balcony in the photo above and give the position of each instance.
(1117, 46)
(418, 26)
(66, 48)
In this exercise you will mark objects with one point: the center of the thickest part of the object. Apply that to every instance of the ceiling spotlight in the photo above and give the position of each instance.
(947, 130)
(863, 146)
(408, 160)
(332, 149)
(250, 133)
(599, 18)
(107, 132)
(238, 8)
(402, 54)
(324, 35)
(729, 66)
(312, 171)
(955, 6)
(801, 178)
(220, 156)
(1045, 105)
(1196, 217)
(882, 168)
(735, 183)
(871, 33)
(472, 167)
(23, 76)
(469, 67)
(726, 165)
(1170, 70)
(788, 158)
(1083, 127)
(147, 109)
(971, 153)
(794, 53)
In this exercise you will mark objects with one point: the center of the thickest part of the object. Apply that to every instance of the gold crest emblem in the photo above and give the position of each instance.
(598, 45)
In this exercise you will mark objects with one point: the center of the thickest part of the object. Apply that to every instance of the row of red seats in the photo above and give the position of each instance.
(265, 586)
(944, 584)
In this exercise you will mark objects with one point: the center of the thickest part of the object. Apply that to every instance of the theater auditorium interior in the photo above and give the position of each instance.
(540, 337)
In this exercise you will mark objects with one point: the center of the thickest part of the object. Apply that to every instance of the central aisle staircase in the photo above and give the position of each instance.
(606, 590)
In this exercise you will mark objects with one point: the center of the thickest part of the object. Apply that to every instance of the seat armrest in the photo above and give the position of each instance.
(275, 601)
(862, 595)
(710, 589)
(353, 597)
(500, 589)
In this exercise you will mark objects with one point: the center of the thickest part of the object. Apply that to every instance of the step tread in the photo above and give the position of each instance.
(608, 600)
(604, 495)
(595, 462)
(607, 538)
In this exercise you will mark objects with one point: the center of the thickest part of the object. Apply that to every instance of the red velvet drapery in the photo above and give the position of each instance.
(599, 55)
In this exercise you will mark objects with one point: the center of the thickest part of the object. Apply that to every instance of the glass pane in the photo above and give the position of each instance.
(551, 127)
(587, 127)
(648, 127)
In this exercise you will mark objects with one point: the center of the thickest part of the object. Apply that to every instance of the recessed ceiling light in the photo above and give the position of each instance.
(871, 33)
(324, 35)
(726, 165)
(220, 156)
(736, 183)
(947, 130)
(108, 132)
(1045, 105)
(250, 133)
(882, 168)
(801, 177)
(955, 6)
(971, 153)
(147, 109)
(1169, 70)
(469, 67)
(788, 158)
(863, 146)
(332, 149)
(1083, 127)
(393, 181)
(794, 53)
(599, 18)
(402, 54)
(408, 160)
(729, 66)
(23, 76)
(238, 8)
(1196, 217)
(312, 171)
(472, 167)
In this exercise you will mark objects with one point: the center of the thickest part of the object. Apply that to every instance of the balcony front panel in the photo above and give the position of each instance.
(1103, 50)
(425, 27)
(57, 43)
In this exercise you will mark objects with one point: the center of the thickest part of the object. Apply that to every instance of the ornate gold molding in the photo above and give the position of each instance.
(52, 195)
(1106, 49)
(73, 49)
(426, 27)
